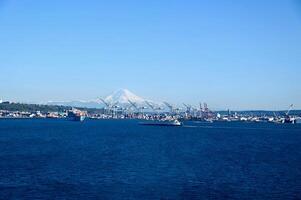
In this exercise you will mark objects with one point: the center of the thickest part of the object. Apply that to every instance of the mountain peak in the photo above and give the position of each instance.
(123, 96)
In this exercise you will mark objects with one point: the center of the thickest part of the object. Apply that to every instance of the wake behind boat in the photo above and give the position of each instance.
(161, 123)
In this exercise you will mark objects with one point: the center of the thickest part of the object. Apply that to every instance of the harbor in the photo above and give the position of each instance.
(152, 115)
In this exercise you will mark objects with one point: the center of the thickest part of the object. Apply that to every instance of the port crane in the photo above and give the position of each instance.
(169, 106)
(109, 106)
(139, 109)
(206, 112)
(288, 111)
(188, 108)
(200, 111)
(172, 108)
(154, 108)
(191, 110)
(275, 115)
(201, 108)
(104, 102)
(150, 105)
(287, 118)
(132, 104)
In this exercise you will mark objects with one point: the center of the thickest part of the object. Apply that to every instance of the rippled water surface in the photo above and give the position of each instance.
(107, 159)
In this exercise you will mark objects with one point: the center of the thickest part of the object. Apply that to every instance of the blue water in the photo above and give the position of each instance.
(111, 159)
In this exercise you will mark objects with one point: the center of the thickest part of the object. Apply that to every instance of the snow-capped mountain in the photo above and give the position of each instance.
(123, 96)
(120, 97)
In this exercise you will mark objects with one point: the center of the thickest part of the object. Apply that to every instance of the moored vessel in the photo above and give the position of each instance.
(76, 115)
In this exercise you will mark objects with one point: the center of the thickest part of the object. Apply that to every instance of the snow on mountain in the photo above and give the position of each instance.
(123, 96)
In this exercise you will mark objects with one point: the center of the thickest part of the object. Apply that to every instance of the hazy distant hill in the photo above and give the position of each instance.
(22, 107)
(82, 104)
(32, 107)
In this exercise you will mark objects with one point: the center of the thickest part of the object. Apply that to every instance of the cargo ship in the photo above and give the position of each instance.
(161, 123)
(76, 115)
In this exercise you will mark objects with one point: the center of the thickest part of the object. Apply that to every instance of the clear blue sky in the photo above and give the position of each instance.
(232, 54)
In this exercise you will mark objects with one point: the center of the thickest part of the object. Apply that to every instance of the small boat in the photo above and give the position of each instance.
(161, 123)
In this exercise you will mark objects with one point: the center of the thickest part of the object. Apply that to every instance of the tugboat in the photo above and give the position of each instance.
(76, 115)
(162, 123)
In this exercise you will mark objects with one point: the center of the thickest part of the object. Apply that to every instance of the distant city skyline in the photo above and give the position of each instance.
(238, 55)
